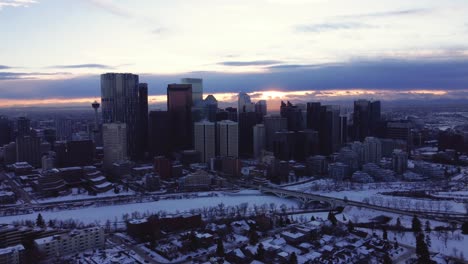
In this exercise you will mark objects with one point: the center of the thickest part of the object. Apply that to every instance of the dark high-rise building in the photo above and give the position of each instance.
(284, 145)
(329, 130)
(120, 99)
(230, 113)
(74, 153)
(261, 110)
(159, 133)
(50, 135)
(366, 118)
(64, 129)
(307, 144)
(313, 115)
(293, 114)
(179, 106)
(143, 115)
(28, 149)
(23, 126)
(273, 123)
(6, 131)
(247, 120)
(211, 108)
(343, 129)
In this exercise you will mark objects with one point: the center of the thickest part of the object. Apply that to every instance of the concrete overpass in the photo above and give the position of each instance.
(335, 202)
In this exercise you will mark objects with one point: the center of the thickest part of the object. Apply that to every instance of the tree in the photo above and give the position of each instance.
(464, 228)
(260, 255)
(220, 248)
(194, 245)
(416, 225)
(350, 226)
(332, 218)
(253, 236)
(293, 258)
(422, 251)
(384, 234)
(398, 224)
(387, 259)
(40, 221)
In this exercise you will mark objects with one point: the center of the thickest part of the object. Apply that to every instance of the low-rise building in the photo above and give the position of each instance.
(12, 255)
(70, 243)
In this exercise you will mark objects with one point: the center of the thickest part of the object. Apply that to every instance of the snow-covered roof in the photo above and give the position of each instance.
(7, 250)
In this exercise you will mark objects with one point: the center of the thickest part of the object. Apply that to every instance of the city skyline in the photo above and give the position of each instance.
(326, 47)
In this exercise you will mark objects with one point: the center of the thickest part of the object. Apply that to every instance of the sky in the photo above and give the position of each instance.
(52, 51)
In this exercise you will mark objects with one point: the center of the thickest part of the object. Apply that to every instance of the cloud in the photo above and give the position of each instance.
(249, 63)
(403, 12)
(80, 66)
(28, 75)
(16, 3)
(3, 67)
(111, 7)
(391, 76)
(322, 27)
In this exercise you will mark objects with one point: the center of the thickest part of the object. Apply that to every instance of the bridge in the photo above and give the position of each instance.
(335, 202)
(305, 198)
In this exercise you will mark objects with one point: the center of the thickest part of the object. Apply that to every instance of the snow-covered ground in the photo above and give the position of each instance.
(102, 214)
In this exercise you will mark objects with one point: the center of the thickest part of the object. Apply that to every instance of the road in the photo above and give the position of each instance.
(17, 189)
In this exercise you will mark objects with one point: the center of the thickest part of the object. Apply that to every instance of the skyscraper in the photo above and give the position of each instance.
(313, 115)
(247, 121)
(211, 108)
(114, 143)
(159, 135)
(227, 131)
(205, 140)
(120, 98)
(143, 117)
(28, 148)
(23, 126)
(6, 131)
(197, 89)
(273, 123)
(64, 129)
(244, 104)
(261, 110)
(293, 114)
(259, 139)
(179, 106)
(366, 118)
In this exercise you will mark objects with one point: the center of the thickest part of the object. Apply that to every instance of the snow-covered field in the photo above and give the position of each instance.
(102, 214)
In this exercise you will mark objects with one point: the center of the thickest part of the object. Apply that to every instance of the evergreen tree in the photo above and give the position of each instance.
(384, 234)
(416, 224)
(260, 253)
(193, 241)
(312, 218)
(293, 258)
(399, 227)
(220, 248)
(464, 228)
(387, 259)
(332, 218)
(253, 236)
(350, 226)
(422, 251)
(40, 221)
